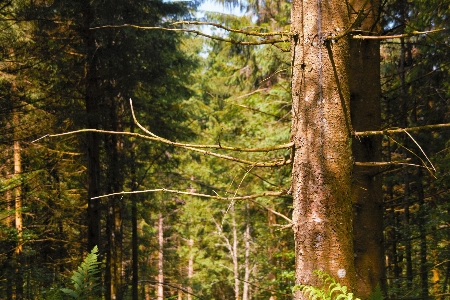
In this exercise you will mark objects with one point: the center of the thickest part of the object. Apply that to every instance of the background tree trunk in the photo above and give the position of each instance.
(321, 131)
(18, 208)
(367, 194)
(160, 277)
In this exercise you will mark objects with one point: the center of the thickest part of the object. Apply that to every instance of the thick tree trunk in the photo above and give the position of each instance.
(321, 131)
(365, 110)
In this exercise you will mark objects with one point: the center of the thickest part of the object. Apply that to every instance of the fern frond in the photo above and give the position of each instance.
(330, 289)
(85, 278)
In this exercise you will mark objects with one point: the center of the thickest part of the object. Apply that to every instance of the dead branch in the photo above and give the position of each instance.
(400, 130)
(244, 32)
(198, 32)
(196, 148)
(216, 197)
(398, 36)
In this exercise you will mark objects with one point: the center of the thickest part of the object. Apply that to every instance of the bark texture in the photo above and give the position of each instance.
(367, 194)
(321, 130)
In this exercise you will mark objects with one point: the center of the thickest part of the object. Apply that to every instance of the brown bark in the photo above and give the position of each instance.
(367, 197)
(321, 130)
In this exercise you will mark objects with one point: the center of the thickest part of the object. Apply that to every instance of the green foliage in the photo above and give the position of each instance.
(328, 291)
(86, 280)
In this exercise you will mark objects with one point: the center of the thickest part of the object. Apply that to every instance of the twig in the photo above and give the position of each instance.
(235, 192)
(423, 152)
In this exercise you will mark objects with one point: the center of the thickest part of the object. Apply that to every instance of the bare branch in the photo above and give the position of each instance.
(400, 130)
(398, 36)
(217, 197)
(158, 139)
(198, 32)
(252, 33)
(385, 164)
(197, 148)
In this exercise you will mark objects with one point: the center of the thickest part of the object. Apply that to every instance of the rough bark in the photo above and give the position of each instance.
(321, 131)
(367, 195)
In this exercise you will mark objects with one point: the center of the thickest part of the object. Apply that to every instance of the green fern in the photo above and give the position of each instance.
(377, 294)
(330, 289)
(85, 279)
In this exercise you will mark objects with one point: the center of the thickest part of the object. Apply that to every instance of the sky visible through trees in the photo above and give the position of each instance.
(224, 150)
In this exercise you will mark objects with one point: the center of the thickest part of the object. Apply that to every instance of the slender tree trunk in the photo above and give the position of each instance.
(321, 131)
(405, 123)
(134, 223)
(18, 208)
(367, 194)
(190, 272)
(272, 220)
(9, 265)
(422, 213)
(114, 153)
(247, 269)
(93, 118)
(406, 176)
(234, 254)
(160, 277)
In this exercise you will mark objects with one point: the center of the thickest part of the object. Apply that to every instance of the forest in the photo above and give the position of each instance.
(297, 149)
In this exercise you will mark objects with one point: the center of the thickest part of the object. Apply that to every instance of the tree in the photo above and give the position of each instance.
(321, 132)
(365, 111)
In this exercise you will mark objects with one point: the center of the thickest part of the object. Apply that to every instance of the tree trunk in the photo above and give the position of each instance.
(18, 208)
(190, 273)
(247, 269)
(321, 131)
(421, 222)
(134, 223)
(160, 277)
(234, 253)
(365, 110)
(93, 117)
